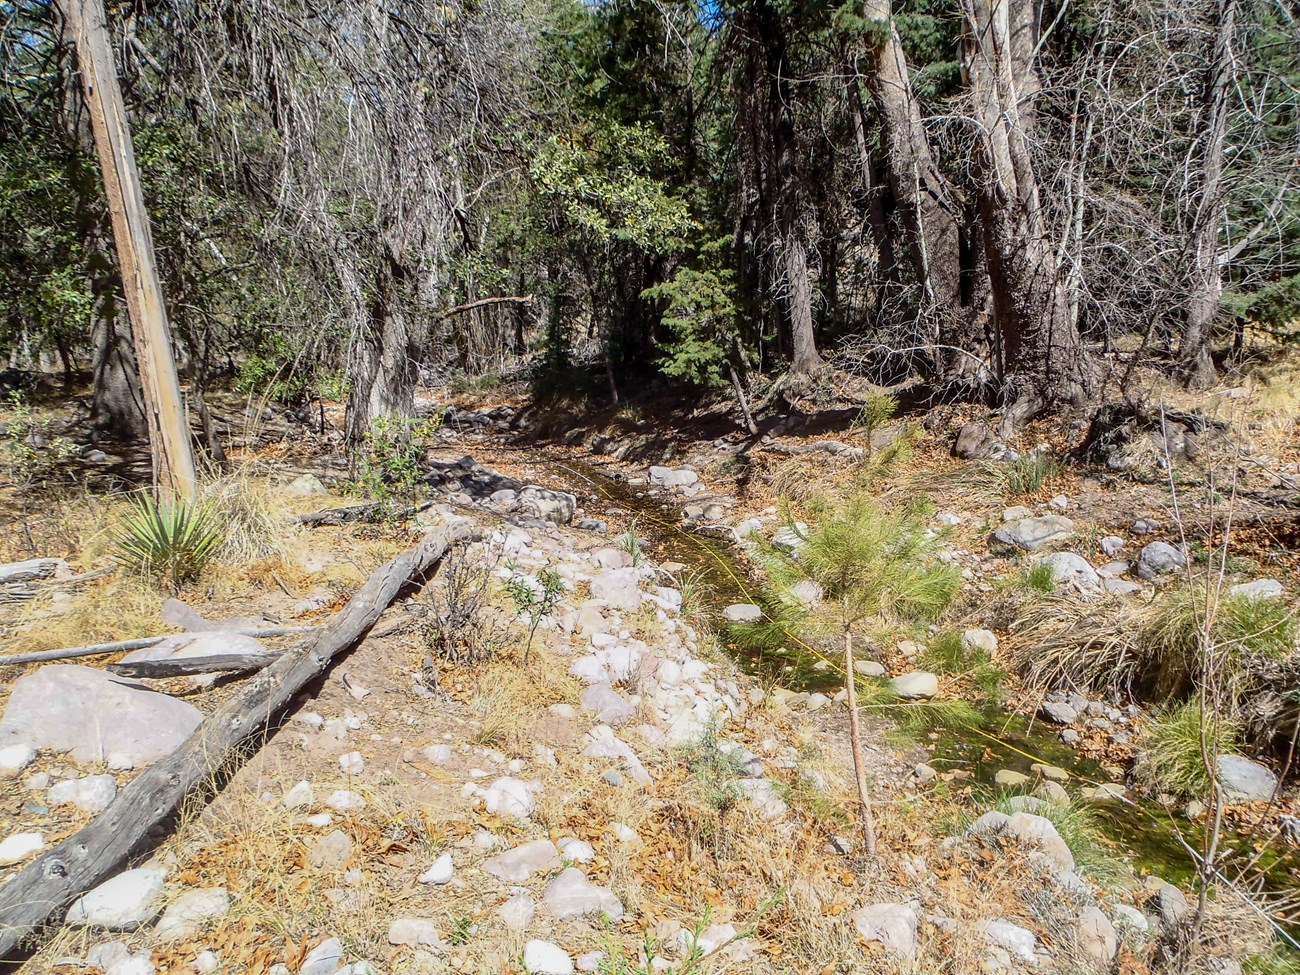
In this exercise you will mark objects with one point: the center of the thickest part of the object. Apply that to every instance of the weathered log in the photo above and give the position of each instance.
(20, 591)
(358, 512)
(50, 883)
(225, 663)
(28, 571)
(93, 649)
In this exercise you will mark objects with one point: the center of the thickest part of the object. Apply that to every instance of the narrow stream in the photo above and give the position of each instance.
(1143, 832)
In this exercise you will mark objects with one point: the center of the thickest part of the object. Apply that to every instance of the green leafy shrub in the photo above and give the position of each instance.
(30, 452)
(534, 598)
(170, 540)
(390, 463)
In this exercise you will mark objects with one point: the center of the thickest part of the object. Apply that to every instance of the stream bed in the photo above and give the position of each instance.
(1143, 832)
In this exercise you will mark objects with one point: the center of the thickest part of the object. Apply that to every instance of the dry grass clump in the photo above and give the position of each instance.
(1158, 646)
(255, 521)
(116, 607)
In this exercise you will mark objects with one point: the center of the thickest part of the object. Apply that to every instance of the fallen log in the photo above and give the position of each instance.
(93, 649)
(358, 512)
(224, 663)
(90, 856)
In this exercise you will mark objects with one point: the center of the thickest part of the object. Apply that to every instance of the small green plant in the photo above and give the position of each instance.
(390, 464)
(535, 598)
(1040, 578)
(1172, 759)
(1030, 473)
(630, 542)
(333, 386)
(948, 653)
(171, 540)
(618, 962)
(878, 410)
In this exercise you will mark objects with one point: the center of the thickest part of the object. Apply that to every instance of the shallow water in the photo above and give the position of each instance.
(1143, 833)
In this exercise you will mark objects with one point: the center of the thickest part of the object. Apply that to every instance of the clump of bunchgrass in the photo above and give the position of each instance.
(949, 653)
(1177, 742)
(1029, 473)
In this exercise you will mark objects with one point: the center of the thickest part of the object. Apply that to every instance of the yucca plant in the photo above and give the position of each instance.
(171, 540)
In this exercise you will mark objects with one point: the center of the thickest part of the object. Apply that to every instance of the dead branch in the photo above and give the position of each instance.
(50, 883)
(93, 649)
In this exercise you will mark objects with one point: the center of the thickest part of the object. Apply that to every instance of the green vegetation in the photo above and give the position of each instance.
(169, 540)
(390, 463)
(1029, 473)
(948, 653)
(1174, 750)
(534, 597)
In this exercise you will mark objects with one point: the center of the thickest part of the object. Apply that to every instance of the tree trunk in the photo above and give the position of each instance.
(116, 405)
(790, 216)
(855, 745)
(387, 357)
(1205, 286)
(169, 435)
(1042, 359)
(928, 205)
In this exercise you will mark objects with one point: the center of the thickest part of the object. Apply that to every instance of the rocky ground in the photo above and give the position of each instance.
(612, 792)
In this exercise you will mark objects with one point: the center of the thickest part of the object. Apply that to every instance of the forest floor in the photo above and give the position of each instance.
(694, 794)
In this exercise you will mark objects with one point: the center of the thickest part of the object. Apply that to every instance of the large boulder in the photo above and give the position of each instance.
(1245, 781)
(1032, 534)
(974, 441)
(95, 715)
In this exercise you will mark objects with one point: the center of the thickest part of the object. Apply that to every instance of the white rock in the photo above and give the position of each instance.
(344, 800)
(302, 794)
(206, 962)
(320, 820)
(1069, 567)
(187, 912)
(742, 613)
(352, 763)
(571, 896)
(1259, 589)
(916, 684)
(764, 798)
(19, 846)
(893, 925)
(91, 794)
(122, 904)
(518, 865)
(546, 958)
(511, 797)
(140, 964)
(441, 872)
(15, 758)
(976, 639)
(414, 931)
(324, 959)
(1011, 937)
(590, 961)
(517, 913)
(578, 851)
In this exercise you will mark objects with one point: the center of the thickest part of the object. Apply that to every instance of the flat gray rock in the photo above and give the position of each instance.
(1070, 568)
(1259, 589)
(95, 715)
(742, 613)
(186, 914)
(916, 684)
(1159, 559)
(1031, 534)
(1245, 781)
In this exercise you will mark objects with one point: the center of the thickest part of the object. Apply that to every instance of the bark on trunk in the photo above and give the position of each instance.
(928, 205)
(117, 407)
(1041, 356)
(1205, 285)
(387, 356)
(790, 217)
